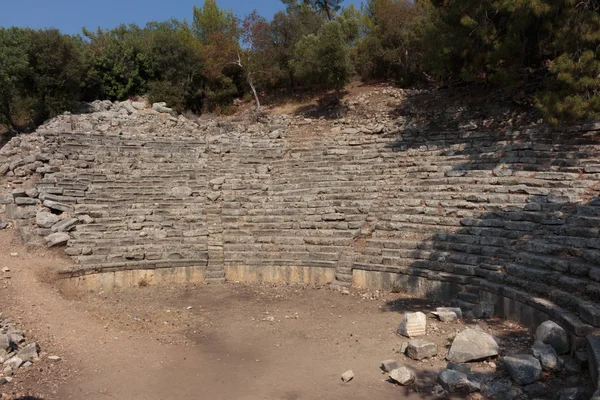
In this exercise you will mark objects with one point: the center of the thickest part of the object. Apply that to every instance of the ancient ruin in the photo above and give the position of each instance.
(495, 217)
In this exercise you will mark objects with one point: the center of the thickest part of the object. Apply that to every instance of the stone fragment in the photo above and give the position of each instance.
(547, 356)
(348, 376)
(419, 349)
(455, 310)
(403, 347)
(551, 333)
(472, 345)
(45, 220)
(457, 382)
(58, 238)
(65, 225)
(402, 376)
(445, 316)
(523, 369)
(413, 324)
(29, 352)
(54, 358)
(389, 365)
(14, 363)
(213, 196)
(55, 205)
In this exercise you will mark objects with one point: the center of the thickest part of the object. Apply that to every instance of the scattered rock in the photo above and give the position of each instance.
(58, 238)
(181, 191)
(54, 358)
(551, 333)
(472, 345)
(419, 349)
(402, 376)
(547, 356)
(536, 390)
(457, 382)
(65, 225)
(14, 363)
(389, 365)
(348, 376)
(445, 316)
(4, 342)
(45, 219)
(523, 369)
(413, 324)
(464, 368)
(29, 352)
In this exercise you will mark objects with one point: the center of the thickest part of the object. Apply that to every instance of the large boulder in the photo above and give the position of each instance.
(413, 324)
(472, 345)
(523, 369)
(551, 333)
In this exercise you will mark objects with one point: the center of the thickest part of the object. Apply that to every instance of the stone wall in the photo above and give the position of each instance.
(510, 216)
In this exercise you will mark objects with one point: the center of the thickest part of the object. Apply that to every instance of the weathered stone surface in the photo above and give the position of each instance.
(56, 239)
(483, 310)
(181, 191)
(536, 390)
(419, 349)
(472, 345)
(389, 365)
(551, 333)
(13, 362)
(402, 376)
(161, 108)
(547, 356)
(523, 369)
(575, 393)
(413, 324)
(457, 382)
(464, 368)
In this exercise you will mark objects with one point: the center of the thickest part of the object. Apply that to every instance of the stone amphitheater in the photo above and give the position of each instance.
(470, 212)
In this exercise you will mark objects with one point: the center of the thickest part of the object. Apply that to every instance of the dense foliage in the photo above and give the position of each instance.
(549, 45)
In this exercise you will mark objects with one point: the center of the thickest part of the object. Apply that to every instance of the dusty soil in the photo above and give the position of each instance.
(236, 341)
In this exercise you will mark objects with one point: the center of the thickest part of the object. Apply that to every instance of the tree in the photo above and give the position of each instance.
(327, 7)
(288, 28)
(324, 59)
(175, 61)
(118, 63)
(13, 69)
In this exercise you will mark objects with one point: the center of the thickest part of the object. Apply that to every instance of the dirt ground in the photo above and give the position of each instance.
(232, 341)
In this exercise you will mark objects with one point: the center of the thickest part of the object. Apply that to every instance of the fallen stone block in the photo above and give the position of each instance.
(472, 345)
(551, 333)
(65, 225)
(348, 376)
(413, 324)
(46, 220)
(402, 376)
(56, 239)
(523, 369)
(445, 316)
(419, 349)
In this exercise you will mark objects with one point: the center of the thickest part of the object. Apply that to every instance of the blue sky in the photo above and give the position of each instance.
(71, 15)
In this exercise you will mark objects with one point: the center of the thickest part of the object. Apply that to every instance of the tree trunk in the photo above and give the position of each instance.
(251, 83)
(327, 10)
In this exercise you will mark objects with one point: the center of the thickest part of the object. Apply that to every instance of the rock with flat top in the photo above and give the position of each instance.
(348, 376)
(413, 324)
(389, 365)
(472, 345)
(457, 382)
(402, 376)
(56, 239)
(419, 349)
(45, 219)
